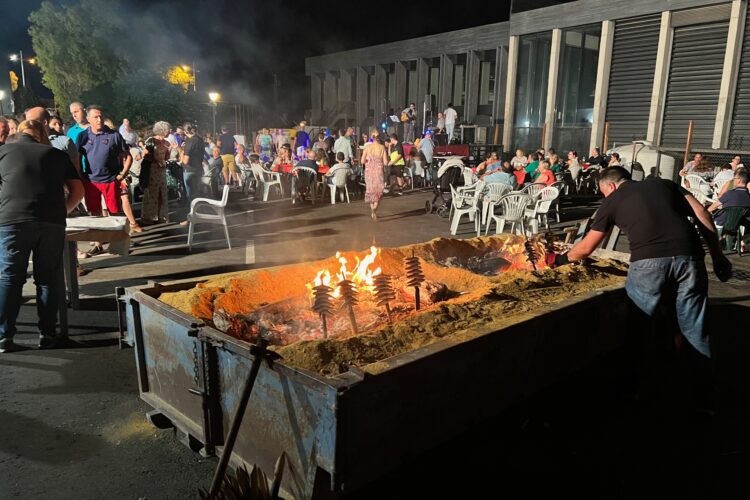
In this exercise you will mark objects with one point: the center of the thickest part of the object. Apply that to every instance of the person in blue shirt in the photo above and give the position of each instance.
(301, 139)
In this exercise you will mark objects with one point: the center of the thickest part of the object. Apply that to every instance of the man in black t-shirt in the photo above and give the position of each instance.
(667, 259)
(192, 162)
(226, 144)
(33, 207)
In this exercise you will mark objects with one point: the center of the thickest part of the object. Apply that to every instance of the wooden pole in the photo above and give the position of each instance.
(605, 143)
(496, 138)
(689, 142)
(544, 136)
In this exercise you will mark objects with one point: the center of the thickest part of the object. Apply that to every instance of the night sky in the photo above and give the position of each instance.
(239, 45)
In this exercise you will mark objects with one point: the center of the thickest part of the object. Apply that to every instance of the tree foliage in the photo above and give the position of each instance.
(13, 81)
(143, 97)
(75, 46)
(25, 98)
(176, 75)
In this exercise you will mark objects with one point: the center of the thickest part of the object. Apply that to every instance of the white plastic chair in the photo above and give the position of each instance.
(466, 191)
(218, 217)
(560, 186)
(493, 191)
(267, 180)
(698, 187)
(466, 204)
(340, 178)
(718, 185)
(541, 208)
(533, 190)
(513, 210)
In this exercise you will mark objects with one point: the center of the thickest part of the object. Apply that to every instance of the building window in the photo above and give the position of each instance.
(576, 84)
(531, 90)
(435, 80)
(390, 75)
(459, 84)
(371, 94)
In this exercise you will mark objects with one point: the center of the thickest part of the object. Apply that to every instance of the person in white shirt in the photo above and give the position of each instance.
(344, 145)
(450, 120)
(519, 160)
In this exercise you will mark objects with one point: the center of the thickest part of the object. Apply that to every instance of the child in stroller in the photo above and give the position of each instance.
(454, 173)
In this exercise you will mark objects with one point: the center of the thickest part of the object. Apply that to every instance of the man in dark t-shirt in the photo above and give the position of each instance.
(33, 207)
(226, 144)
(738, 196)
(192, 163)
(667, 259)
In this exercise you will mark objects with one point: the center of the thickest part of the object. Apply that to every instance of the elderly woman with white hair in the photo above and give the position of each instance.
(155, 205)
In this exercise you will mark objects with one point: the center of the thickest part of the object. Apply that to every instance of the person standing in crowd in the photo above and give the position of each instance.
(411, 119)
(344, 145)
(127, 133)
(192, 163)
(374, 160)
(155, 203)
(397, 163)
(440, 127)
(301, 139)
(450, 120)
(667, 258)
(265, 145)
(80, 124)
(427, 148)
(58, 141)
(321, 143)
(226, 144)
(33, 207)
(107, 159)
(12, 126)
(3, 130)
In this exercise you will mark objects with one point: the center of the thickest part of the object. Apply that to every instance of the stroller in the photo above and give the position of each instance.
(454, 173)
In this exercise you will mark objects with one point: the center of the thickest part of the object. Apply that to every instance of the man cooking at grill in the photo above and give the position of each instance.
(667, 258)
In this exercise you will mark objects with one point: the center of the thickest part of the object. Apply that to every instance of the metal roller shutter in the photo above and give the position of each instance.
(631, 77)
(694, 81)
(739, 134)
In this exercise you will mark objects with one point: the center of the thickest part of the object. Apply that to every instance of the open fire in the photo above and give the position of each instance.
(352, 295)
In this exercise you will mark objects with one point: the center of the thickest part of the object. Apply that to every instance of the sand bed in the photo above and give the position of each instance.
(479, 303)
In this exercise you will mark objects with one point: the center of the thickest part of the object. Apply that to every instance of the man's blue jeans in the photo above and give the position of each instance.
(682, 279)
(192, 183)
(17, 242)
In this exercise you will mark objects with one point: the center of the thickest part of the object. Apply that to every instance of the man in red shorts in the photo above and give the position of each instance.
(108, 161)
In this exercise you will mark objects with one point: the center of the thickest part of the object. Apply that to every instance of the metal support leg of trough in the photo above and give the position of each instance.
(259, 351)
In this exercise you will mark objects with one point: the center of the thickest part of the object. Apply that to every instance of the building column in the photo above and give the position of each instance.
(316, 91)
(400, 103)
(361, 96)
(729, 75)
(381, 94)
(602, 84)
(554, 67)
(472, 86)
(501, 71)
(423, 77)
(446, 82)
(510, 93)
(661, 77)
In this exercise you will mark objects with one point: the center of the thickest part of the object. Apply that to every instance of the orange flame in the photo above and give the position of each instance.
(362, 274)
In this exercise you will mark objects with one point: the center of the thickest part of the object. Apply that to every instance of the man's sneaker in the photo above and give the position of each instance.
(7, 345)
(49, 342)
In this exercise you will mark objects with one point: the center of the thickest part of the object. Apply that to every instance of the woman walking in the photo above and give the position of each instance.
(374, 160)
(155, 205)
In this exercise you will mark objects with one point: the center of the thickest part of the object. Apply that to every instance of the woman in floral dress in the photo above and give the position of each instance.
(374, 159)
(155, 204)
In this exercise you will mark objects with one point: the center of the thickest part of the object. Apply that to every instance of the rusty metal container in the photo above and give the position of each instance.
(340, 433)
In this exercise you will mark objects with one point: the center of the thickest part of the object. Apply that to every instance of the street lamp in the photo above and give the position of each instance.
(19, 57)
(214, 98)
(2, 96)
(195, 75)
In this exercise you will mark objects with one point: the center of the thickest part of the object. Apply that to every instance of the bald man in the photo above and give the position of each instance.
(61, 142)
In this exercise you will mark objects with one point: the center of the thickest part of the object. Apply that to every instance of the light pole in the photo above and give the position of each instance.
(2, 96)
(195, 75)
(16, 57)
(214, 98)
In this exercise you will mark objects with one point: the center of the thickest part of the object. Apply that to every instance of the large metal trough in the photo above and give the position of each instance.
(340, 433)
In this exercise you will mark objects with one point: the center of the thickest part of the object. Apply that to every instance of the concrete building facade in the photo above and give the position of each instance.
(566, 75)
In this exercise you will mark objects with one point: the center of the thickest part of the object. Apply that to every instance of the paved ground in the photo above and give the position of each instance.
(73, 425)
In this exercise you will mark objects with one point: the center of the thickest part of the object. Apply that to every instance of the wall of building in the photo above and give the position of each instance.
(568, 76)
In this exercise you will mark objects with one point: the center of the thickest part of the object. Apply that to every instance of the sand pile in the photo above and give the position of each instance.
(479, 301)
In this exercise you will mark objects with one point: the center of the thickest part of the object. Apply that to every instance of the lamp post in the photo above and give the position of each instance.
(214, 98)
(195, 75)
(17, 57)
(2, 96)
